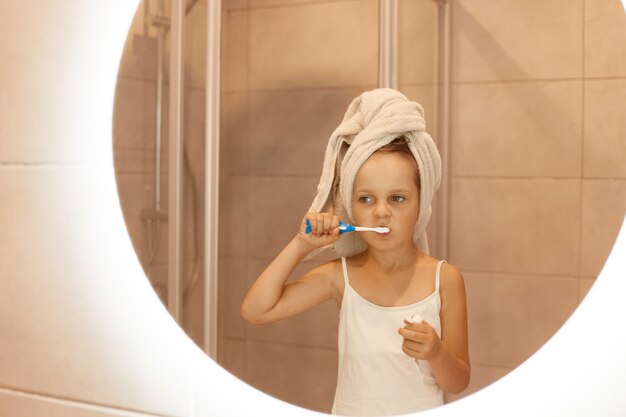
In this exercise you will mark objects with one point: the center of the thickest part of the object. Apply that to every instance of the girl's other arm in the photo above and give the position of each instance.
(451, 365)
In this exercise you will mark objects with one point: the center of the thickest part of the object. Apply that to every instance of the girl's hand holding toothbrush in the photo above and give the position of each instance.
(323, 229)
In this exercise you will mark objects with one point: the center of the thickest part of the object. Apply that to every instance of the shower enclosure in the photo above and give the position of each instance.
(223, 112)
(160, 126)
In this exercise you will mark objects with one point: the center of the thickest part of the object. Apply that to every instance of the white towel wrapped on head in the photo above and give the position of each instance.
(372, 120)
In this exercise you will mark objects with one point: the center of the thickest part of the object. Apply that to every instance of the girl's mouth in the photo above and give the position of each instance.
(385, 234)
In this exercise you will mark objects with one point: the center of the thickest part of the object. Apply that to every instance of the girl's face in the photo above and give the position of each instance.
(385, 194)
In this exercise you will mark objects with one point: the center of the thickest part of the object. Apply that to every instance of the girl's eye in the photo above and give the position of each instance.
(364, 199)
(399, 197)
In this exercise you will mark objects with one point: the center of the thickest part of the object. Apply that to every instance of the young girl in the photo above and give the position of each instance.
(403, 322)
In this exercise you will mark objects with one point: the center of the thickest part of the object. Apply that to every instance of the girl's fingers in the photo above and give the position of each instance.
(414, 346)
(327, 223)
(421, 327)
(413, 335)
(406, 350)
(320, 224)
(413, 350)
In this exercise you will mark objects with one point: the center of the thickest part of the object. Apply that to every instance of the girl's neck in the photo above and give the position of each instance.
(393, 261)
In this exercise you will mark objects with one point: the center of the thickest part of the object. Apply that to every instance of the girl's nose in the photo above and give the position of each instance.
(382, 210)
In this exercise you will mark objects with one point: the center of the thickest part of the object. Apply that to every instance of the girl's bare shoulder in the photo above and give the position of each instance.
(451, 273)
(451, 281)
(448, 272)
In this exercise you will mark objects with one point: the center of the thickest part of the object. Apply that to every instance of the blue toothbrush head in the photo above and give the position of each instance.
(345, 227)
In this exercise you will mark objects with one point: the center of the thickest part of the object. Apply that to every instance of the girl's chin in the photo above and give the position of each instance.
(381, 240)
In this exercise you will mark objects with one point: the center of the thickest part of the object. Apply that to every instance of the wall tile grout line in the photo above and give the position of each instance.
(33, 165)
(278, 90)
(582, 153)
(70, 402)
(455, 177)
(465, 270)
(246, 367)
(281, 343)
(504, 177)
(296, 4)
(533, 80)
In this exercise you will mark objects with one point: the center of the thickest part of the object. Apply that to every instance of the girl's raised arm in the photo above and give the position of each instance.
(270, 299)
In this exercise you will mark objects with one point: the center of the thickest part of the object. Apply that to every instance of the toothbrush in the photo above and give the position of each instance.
(345, 228)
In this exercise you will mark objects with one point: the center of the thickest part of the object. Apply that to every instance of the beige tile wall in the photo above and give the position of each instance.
(81, 334)
(538, 155)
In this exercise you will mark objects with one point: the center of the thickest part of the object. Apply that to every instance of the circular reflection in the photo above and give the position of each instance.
(519, 224)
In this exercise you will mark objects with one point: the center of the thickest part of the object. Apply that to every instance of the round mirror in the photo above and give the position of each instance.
(531, 137)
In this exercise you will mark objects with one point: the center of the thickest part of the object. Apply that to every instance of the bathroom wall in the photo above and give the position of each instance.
(82, 332)
(289, 71)
(538, 180)
(537, 187)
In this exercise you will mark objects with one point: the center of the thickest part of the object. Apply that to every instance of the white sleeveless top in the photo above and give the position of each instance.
(375, 377)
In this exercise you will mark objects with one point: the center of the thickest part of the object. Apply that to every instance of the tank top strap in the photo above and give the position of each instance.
(437, 275)
(345, 272)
